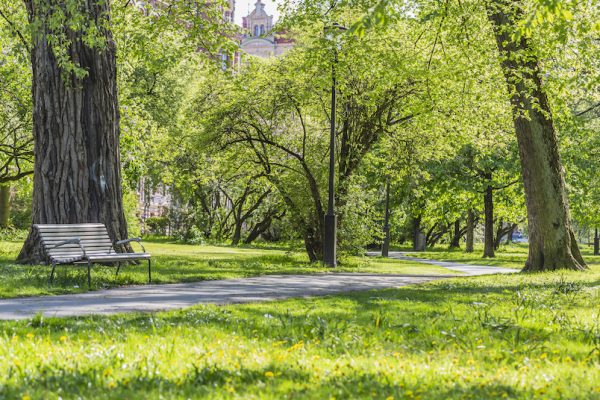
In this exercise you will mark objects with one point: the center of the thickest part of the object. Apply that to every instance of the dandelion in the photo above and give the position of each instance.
(297, 346)
(26, 397)
(543, 356)
(30, 335)
(269, 374)
(63, 338)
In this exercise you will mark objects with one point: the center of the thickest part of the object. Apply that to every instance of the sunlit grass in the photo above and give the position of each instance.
(517, 336)
(185, 263)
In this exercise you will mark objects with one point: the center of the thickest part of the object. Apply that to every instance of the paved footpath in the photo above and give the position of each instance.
(467, 269)
(150, 298)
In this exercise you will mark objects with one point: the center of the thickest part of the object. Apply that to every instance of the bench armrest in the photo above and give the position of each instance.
(70, 241)
(125, 241)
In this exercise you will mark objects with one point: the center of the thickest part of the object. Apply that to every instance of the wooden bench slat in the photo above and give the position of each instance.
(119, 257)
(69, 226)
(71, 234)
(85, 242)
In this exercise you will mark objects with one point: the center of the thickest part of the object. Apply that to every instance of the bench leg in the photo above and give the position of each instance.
(149, 271)
(52, 273)
(89, 267)
(118, 268)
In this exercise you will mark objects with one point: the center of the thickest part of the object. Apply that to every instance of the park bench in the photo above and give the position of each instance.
(85, 244)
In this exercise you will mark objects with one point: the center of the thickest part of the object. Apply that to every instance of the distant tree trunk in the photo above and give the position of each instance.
(262, 226)
(552, 244)
(500, 232)
(456, 234)
(488, 226)
(313, 244)
(4, 205)
(470, 231)
(417, 235)
(77, 171)
(509, 235)
(237, 233)
(596, 242)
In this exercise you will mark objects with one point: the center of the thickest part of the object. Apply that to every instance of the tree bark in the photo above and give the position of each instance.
(77, 171)
(418, 242)
(470, 231)
(509, 235)
(237, 233)
(456, 235)
(596, 242)
(488, 225)
(552, 244)
(4, 205)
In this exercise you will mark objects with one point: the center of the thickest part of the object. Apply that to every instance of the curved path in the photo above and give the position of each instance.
(468, 269)
(150, 298)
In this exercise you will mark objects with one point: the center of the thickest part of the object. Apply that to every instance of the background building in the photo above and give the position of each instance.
(258, 39)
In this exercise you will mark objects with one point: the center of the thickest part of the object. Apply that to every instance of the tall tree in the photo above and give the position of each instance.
(552, 244)
(77, 171)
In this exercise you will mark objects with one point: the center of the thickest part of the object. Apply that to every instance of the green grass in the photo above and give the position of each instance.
(184, 263)
(510, 256)
(517, 337)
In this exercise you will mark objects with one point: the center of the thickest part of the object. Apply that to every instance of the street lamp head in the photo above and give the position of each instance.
(332, 33)
(334, 27)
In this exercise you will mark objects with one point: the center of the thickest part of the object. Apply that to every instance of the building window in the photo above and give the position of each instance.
(256, 30)
(262, 29)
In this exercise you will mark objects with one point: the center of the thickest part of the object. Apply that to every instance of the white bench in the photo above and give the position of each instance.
(85, 244)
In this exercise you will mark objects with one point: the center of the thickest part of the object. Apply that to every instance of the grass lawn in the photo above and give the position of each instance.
(516, 337)
(184, 263)
(510, 256)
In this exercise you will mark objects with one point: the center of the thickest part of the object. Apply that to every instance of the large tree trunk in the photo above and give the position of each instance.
(4, 205)
(552, 244)
(488, 225)
(77, 172)
(470, 231)
(596, 242)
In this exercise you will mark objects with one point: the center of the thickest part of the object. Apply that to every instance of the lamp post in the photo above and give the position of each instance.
(330, 223)
(385, 248)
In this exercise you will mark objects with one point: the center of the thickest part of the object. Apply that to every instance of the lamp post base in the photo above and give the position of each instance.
(329, 241)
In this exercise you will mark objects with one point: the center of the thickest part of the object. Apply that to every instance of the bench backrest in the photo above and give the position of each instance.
(94, 238)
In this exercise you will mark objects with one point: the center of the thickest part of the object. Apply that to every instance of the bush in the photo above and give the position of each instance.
(12, 234)
(157, 225)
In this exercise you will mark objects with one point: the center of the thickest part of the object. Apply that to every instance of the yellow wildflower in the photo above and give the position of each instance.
(269, 374)
(30, 335)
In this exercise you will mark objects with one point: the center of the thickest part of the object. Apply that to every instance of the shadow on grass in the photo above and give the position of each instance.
(272, 381)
